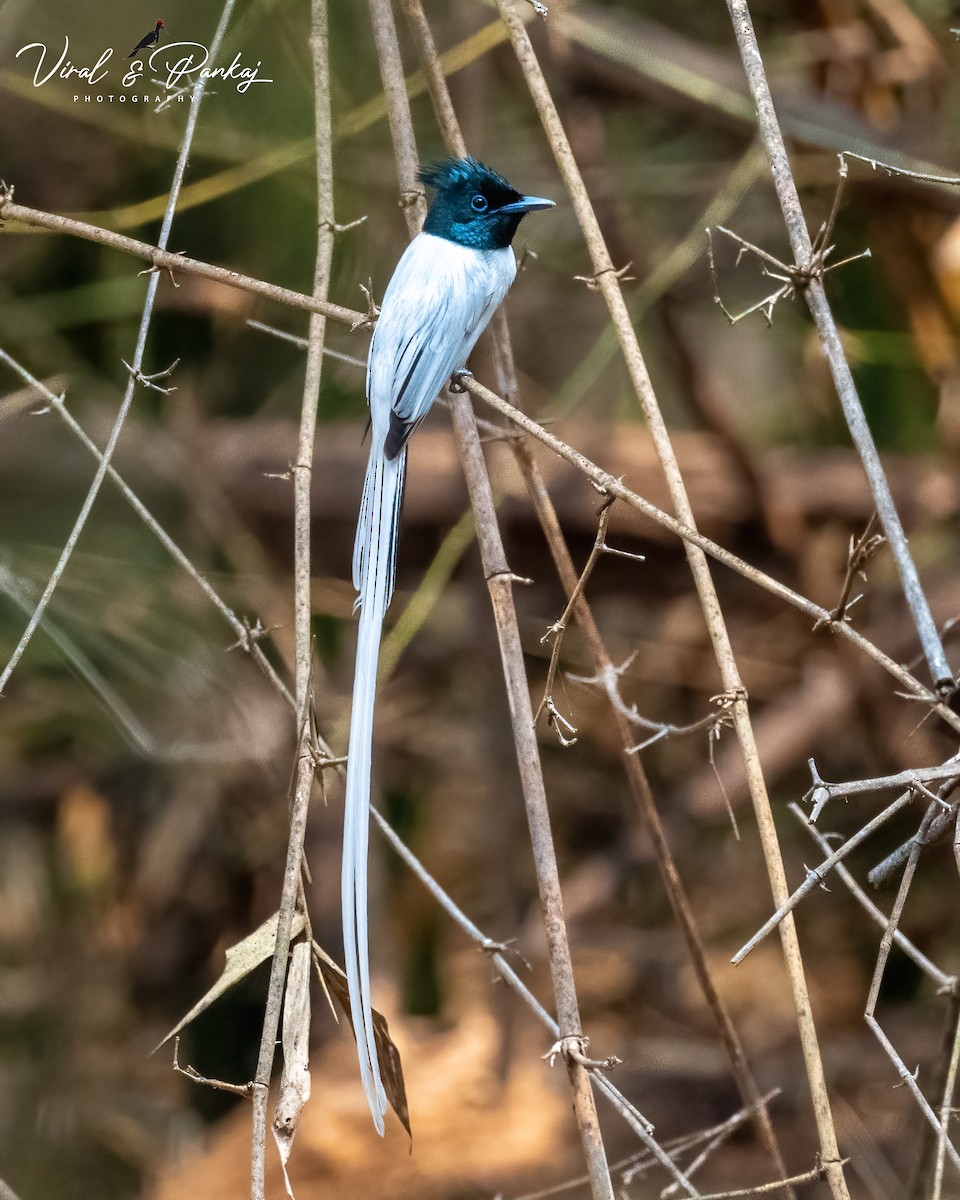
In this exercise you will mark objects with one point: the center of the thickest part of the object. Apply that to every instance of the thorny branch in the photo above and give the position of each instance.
(306, 761)
(816, 875)
(939, 819)
(821, 792)
(565, 731)
(602, 479)
(862, 550)
(816, 298)
(692, 537)
(159, 256)
(942, 822)
(699, 567)
(945, 984)
(792, 278)
(907, 1077)
(608, 679)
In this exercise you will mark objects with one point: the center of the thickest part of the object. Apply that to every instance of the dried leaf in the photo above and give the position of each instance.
(241, 959)
(391, 1068)
(295, 1039)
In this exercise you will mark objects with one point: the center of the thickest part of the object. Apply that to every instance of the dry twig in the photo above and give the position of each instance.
(816, 298)
(306, 761)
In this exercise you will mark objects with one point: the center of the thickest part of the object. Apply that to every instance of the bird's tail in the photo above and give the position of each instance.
(374, 564)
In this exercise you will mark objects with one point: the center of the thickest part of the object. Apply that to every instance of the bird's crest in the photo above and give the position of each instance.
(467, 173)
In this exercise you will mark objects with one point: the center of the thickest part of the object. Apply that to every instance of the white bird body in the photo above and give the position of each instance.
(446, 287)
(436, 305)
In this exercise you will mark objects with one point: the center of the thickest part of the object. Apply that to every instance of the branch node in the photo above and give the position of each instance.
(335, 228)
(489, 946)
(565, 731)
(156, 268)
(510, 577)
(251, 635)
(149, 381)
(573, 1048)
(410, 198)
(593, 281)
(238, 1089)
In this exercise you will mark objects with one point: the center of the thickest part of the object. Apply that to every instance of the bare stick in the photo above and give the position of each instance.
(499, 582)
(163, 259)
(943, 820)
(906, 1077)
(946, 1111)
(306, 763)
(819, 306)
(944, 983)
(609, 284)
(816, 875)
(558, 628)
(771, 1189)
(135, 369)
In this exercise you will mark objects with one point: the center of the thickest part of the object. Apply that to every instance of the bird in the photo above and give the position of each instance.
(148, 39)
(447, 285)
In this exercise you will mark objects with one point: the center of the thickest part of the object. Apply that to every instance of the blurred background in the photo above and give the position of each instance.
(144, 766)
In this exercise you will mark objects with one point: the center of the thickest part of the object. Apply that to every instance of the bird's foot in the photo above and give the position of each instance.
(458, 378)
(369, 318)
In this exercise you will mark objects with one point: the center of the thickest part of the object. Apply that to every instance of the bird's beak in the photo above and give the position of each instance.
(527, 204)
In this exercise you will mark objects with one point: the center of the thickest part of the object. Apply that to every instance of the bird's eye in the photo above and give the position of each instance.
(479, 204)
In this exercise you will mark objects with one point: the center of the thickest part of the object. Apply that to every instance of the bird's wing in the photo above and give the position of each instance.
(437, 304)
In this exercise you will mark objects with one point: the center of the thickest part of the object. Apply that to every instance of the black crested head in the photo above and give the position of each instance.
(473, 205)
